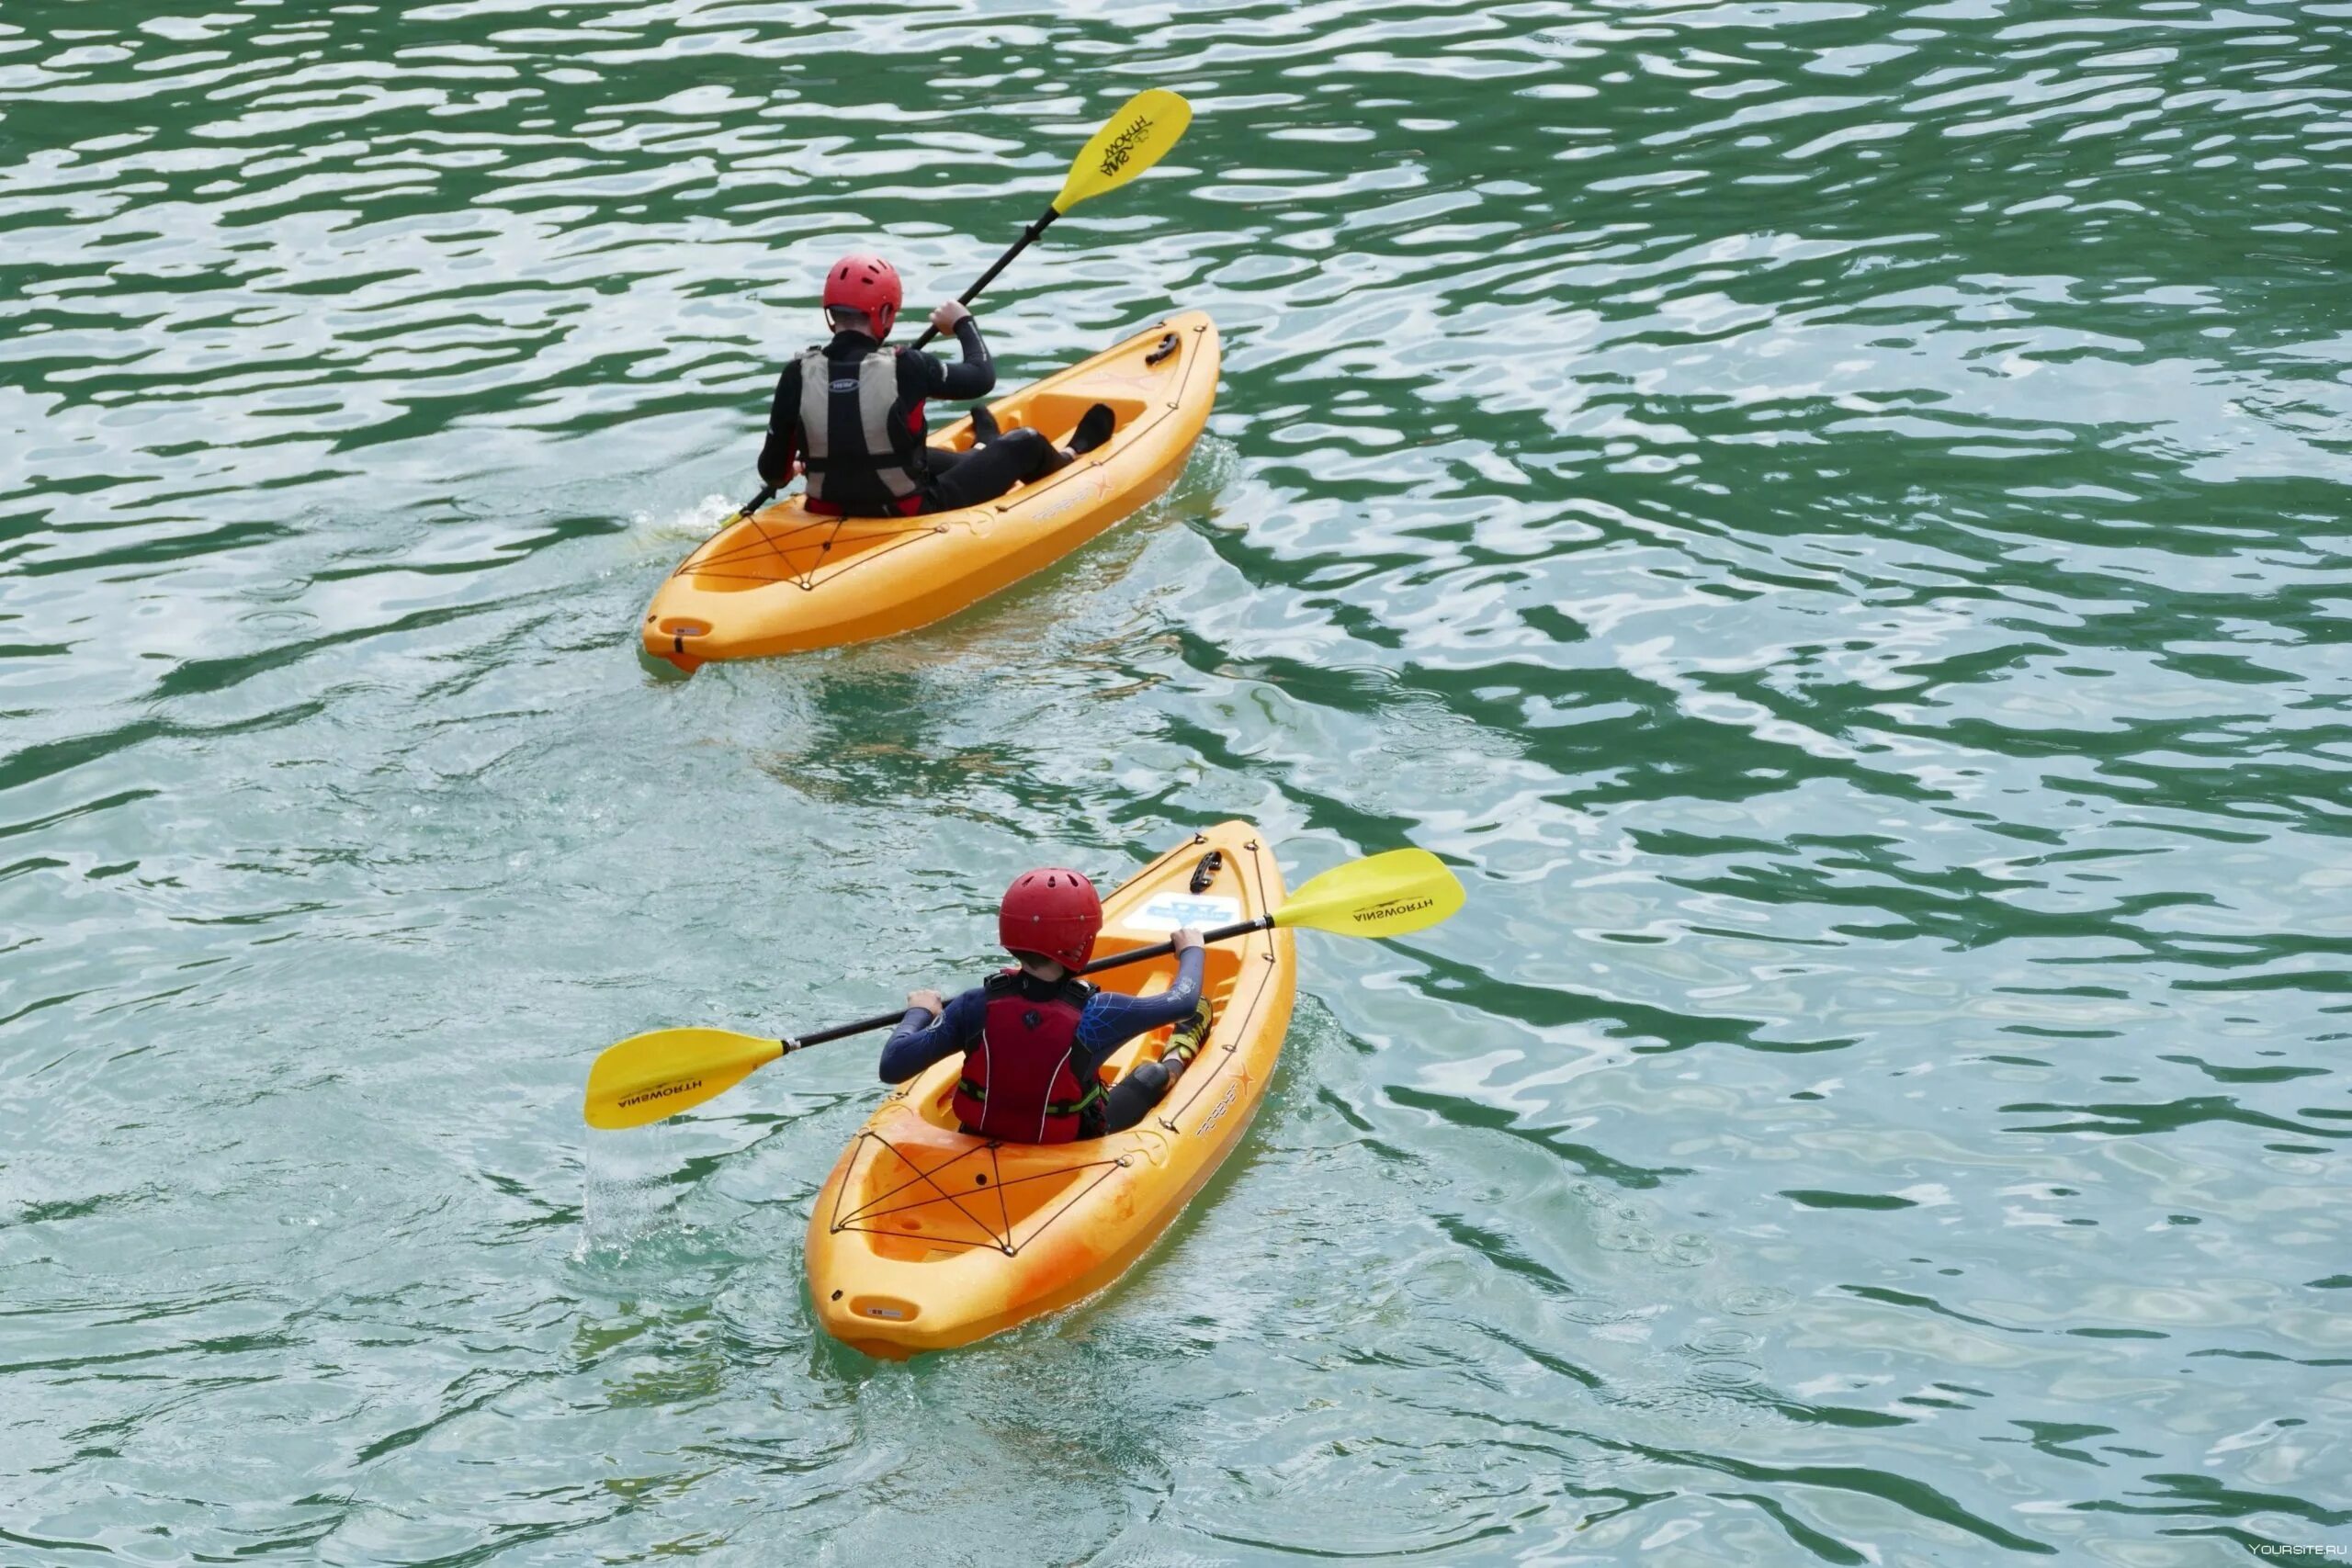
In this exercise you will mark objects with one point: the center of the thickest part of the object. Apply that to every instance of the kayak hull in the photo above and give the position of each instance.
(923, 1238)
(788, 580)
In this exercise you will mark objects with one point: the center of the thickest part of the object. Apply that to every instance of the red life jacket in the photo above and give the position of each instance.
(1018, 1082)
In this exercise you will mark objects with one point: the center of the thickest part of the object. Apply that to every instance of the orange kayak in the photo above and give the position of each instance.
(924, 1238)
(786, 580)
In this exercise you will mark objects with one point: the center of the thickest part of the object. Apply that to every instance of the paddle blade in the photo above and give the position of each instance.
(1384, 895)
(649, 1076)
(1139, 136)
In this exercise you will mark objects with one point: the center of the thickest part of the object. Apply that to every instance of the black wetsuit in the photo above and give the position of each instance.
(947, 480)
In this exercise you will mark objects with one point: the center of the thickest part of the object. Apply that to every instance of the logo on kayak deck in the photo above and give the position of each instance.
(1120, 149)
(1224, 1105)
(1071, 496)
(1174, 911)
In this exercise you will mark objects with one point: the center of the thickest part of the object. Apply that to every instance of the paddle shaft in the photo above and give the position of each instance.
(1161, 949)
(1115, 961)
(767, 494)
(1028, 238)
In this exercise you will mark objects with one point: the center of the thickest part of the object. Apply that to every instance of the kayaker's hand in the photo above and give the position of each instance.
(930, 1001)
(944, 320)
(1188, 939)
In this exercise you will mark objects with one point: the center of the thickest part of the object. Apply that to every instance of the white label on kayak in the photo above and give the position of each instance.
(1070, 497)
(1225, 1102)
(1174, 911)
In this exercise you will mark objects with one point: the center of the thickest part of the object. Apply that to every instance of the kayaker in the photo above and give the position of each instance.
(850, 412)
(1035, 1038)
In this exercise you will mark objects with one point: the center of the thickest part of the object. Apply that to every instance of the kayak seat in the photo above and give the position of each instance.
(1058, 413)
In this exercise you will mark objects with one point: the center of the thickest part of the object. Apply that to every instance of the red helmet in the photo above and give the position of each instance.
(1052, 912)
(866, 283)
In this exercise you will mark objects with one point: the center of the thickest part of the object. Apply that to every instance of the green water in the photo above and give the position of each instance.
(1832, 516)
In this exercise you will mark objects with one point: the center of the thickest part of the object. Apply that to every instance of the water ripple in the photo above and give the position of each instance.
(1833, 518)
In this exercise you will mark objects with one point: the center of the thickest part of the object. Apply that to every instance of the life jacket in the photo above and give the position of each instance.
(1018, 1082)
(860, 461)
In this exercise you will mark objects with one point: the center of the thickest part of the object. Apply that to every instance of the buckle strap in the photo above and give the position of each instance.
(1053, 1107)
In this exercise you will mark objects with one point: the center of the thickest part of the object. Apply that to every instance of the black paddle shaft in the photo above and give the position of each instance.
(1028, 237)
(1161, 949)
(1115, 961)
(767, 493)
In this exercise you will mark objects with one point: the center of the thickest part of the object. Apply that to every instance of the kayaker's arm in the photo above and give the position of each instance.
(1113, 1018)
(921, 1039)
(973, 377)
(784, 428)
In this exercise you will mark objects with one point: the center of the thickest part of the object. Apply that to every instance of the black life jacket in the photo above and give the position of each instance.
(1018, 1082)
(860, 460)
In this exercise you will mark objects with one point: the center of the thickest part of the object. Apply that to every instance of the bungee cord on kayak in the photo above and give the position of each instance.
(942, 1185)
(752, 558)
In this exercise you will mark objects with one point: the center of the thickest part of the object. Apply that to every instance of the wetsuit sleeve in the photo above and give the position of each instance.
(917, 1043)
(1113, 1018)
(783, 428)
(975, 377)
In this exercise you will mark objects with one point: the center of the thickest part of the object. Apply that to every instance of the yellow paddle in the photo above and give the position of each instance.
(649, 1076)
(1135, 139)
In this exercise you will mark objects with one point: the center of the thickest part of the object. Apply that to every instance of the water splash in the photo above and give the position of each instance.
(631, 1194)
